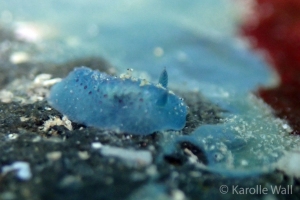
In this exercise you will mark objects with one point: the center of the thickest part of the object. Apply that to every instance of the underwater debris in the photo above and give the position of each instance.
(56, 121)
(100, 100)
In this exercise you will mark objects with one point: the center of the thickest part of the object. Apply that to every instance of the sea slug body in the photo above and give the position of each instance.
(124, 104)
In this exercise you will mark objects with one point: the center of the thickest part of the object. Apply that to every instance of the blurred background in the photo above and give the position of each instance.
(197, 40)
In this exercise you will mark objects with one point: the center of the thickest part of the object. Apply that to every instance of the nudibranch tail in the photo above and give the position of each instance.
(163, 79)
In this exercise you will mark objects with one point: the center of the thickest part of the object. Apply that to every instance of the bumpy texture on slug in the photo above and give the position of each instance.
(125, 104)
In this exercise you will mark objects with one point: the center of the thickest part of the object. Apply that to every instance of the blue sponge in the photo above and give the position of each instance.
(123, 104)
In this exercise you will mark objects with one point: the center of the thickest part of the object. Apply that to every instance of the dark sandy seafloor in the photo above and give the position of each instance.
(65, 158)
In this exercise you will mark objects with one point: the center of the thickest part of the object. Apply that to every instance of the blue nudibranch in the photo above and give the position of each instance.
(122, 103)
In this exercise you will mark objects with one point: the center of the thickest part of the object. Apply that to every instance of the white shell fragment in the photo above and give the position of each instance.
(290, 163)
(22, 170)
(131, 157)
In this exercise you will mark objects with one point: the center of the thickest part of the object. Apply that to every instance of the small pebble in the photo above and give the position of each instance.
(96, 145)
(53, 156)
(83, 155)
